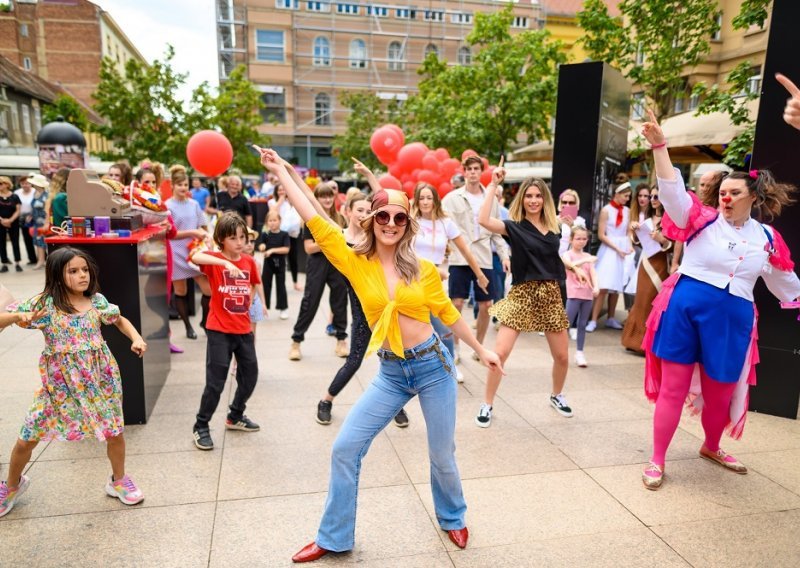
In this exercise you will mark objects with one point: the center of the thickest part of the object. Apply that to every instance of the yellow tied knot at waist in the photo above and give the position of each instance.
(387, 327)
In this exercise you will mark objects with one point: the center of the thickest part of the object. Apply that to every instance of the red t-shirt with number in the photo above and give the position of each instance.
(230, 297)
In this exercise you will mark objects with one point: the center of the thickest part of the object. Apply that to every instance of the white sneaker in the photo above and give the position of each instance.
(284, 314)
(459, 376)
(573, 333)
(484, 417)
(591, 326)
(580, 359)
(541, 334)
(559, 402)
(613, 324)
(457, 355)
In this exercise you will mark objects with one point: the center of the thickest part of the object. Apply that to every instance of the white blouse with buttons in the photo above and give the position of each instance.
(724, 255)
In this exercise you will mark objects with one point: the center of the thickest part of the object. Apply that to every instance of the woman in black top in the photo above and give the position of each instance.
(534, 302)
(10, 207)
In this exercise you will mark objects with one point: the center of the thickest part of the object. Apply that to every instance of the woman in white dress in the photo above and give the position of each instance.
(612, 230)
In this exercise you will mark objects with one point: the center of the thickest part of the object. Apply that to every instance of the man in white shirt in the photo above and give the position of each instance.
(462, 206)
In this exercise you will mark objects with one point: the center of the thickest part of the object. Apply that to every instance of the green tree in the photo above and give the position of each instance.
(367, 112)
(654, 44)
(735, 98)
(508, 89)
(68, 108)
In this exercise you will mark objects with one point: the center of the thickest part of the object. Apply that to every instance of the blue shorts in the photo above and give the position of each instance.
(462, 277)
(256, 313)
(708, 325)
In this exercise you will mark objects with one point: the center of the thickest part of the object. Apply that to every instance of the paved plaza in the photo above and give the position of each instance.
(542, 490)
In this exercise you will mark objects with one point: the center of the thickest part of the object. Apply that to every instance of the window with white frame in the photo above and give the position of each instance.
(638, 107)
(358, 54)
(322, 6)
(27, 64)
(322, 109)
(464, 55)
(37, 119)
(322, 52)
(274, 109)
(431, 48)
(406, 14)
(3, 119)
(26, 119)
(351, 9)
(23, 30)
(433, 16)
(396, 56)
(379, 11)
(717, 35)
(694, 101)
(754, 81)
(463, 18)
(269, 45)
(14, 117)
(287, 4)
(640, 57)
(520, 22)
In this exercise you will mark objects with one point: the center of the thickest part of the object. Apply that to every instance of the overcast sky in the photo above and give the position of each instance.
(188, 25)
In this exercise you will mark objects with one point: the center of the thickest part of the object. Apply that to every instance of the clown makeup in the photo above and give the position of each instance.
(735, 201)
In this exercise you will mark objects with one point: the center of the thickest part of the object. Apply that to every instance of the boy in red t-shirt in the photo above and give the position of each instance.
(232, 276)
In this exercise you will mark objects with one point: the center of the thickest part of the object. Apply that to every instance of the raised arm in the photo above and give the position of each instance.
(485, 218)
(360, 168)
(273, 163)
(303, 186)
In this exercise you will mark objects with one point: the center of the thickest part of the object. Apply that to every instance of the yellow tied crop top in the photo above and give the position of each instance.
(416, 300)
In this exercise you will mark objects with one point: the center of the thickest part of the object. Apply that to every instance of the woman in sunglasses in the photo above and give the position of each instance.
(398, 293)
(653, 269)
(704, 315)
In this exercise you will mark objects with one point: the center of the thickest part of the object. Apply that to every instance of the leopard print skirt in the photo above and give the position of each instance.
(532, 306)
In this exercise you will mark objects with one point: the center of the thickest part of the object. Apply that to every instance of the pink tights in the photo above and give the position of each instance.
(676, 378)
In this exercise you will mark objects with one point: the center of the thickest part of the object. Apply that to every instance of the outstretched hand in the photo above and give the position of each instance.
(499, 173)
(492, 361)
(24, 319)
(651, 130)
(791, 113)
(360, 167)
(270, 159)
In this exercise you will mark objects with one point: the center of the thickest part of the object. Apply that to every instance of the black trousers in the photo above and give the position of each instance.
(27, 238)
(360, 334)
(278, 271)
(319, 272)
(13, 234)
(294, 261)
(220, 348)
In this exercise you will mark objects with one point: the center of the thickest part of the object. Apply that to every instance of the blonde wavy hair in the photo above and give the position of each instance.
(405, 259)
(516, 211)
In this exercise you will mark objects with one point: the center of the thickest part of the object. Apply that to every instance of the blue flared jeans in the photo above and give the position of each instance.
(427, 371)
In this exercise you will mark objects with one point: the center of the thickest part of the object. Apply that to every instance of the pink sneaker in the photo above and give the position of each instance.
(8, 497)
(125, 490)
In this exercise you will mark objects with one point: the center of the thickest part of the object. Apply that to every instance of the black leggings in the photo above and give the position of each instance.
(294, 247)
(320, 271)
(13, 234)
(359, 340)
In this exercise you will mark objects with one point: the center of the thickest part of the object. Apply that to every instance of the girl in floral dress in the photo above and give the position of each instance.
(81, 392)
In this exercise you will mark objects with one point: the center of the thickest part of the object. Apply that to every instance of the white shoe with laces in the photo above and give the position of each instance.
(591, 326)
(580, 359)
(559, 402)
(573, 333)
(484, 417)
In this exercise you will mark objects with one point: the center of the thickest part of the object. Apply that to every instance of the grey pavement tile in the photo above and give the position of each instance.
(632, 548)
(587, 406)
(525, 508)
(300, 391)
(480, 454)
(391, 524)
(595, 444)
(762, 433)
(693, 490)
(159, 536)
(286, 469)
(78, 486)
(782, 467)
(763, 540)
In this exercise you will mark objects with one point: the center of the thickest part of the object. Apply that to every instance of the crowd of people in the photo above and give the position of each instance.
(407, 267)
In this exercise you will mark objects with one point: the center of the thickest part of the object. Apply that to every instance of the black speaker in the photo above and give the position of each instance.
(777, 148)
(591, 139)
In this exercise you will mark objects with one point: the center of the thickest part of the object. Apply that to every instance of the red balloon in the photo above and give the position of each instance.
(444, 188)
(408, 187)
(397, 130)
(429, 161)
(406, 178)
(385, 143)
(415, 174)
(429, 177)
(485, 163)
(442, 154)
(410, 156)
(467, 153)
(209, 152)
(388, 181)
(449, 167)
(396, 170)
(486, 175)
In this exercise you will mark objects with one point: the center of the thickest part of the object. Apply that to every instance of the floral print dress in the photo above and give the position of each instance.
(81, 392)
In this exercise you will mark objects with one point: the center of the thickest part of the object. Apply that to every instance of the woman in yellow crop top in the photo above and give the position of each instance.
(398, 294)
